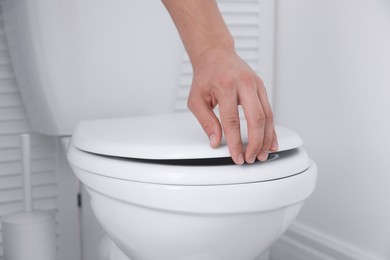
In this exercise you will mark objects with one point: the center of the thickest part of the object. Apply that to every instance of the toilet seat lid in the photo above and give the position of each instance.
(160, 137)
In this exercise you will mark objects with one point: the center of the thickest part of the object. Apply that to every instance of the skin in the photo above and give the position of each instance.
(222, 78)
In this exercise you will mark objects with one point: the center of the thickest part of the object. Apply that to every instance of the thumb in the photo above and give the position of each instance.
(209, 121)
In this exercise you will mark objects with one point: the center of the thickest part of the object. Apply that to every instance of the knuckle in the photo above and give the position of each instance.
(247, 77)
(224, 80)
(236, 143)
(258, 118)
(224, 93)
(268, 115)
(195, 101)
(207, 126)
(191, 103)
(260, 82)
(232, 122)
(223, 86)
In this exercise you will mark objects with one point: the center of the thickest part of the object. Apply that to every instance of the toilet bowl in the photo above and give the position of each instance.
(160, 192)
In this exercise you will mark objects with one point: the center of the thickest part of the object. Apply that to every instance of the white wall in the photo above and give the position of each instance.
(333, 87)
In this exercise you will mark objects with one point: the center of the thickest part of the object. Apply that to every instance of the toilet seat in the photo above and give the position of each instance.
(176, 152)
(286, 164)
(170, 136)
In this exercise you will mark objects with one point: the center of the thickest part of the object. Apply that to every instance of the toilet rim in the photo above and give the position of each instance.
(284, 164)
(203, 199)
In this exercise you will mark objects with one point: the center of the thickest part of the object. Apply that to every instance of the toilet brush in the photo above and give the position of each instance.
(29, 235)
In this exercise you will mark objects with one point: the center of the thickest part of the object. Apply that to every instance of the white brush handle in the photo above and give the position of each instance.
(26, 171)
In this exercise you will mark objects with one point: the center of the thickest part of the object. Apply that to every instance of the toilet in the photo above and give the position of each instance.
(106, 74)
(160, 191)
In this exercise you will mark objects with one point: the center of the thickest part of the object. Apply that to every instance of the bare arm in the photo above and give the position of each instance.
(222, 78)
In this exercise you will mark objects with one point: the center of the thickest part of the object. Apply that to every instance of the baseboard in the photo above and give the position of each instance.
(301, 242)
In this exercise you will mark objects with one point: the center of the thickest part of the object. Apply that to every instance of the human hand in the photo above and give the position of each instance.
(222, 78)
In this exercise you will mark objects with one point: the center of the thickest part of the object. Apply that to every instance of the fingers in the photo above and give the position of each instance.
(225, 79)
(270, 139)
(231, 126)
(207, 119)
(261, 132)
(255, 117)
(228, 111)
(258, 114)
(274, 145)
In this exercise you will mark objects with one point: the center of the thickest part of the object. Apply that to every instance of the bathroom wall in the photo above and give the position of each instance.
(333, 87)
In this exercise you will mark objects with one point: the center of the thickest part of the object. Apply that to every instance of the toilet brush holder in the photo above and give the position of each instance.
(29, 235)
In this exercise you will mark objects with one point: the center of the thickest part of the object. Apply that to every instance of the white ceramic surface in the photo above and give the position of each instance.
(208, 222)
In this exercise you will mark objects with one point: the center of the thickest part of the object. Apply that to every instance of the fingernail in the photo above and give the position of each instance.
(263, 156)
(240, 159)
(212, 140)
(252, 159)
(274, 146)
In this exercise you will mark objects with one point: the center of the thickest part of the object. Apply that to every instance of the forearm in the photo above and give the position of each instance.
(200, 25)
(222, 78)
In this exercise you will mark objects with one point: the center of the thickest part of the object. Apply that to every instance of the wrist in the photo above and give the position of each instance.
(212, 54)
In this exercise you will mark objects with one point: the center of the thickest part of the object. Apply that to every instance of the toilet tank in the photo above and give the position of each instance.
(86, 59)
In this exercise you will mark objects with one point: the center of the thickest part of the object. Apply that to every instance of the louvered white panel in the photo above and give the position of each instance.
(244, 22)
(14, 121)
(7, 86)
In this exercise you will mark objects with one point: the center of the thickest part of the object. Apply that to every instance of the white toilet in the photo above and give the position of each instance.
(161, 192)
(157, 188)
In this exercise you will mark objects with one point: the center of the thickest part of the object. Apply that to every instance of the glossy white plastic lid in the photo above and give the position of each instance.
(163, 137)
(175, 172)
